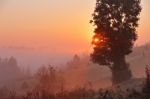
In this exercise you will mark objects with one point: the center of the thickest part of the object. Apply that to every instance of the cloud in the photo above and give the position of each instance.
(18, 47)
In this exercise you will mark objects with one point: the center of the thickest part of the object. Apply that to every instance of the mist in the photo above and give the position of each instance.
(46, 51)
(76, 70)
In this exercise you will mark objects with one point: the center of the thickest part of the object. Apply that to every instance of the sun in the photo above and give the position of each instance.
(96, 40)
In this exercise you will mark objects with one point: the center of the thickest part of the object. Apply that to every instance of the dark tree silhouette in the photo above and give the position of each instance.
(146, 88)
(115, 24)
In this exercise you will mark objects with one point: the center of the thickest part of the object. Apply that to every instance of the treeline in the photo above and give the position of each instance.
(51, 85)
(9, 69)
(81, 93)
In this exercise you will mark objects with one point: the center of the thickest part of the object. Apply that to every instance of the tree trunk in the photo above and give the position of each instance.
(120, 71)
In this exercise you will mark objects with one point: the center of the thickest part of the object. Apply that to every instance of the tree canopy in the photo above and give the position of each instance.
(115, 24)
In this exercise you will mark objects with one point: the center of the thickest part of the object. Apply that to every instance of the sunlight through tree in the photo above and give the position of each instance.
(115, 24)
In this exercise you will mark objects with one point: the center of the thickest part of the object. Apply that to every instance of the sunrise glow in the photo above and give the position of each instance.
(74, 49)
(37, 24)
(96, 40)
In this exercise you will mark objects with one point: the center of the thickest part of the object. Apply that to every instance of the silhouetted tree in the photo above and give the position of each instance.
(146, 88)
(115, 24)
(148, 76)
(12, 62)
(24, 85)
(49, 79)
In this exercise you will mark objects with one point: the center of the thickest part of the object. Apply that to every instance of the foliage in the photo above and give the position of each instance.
(49, 80)
(146, 88)
(80, 93)
(115, 24)
(49, 74)
(9, 69)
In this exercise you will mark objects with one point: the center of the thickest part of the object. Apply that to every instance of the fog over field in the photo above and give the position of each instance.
(82, 70)
(74, 49)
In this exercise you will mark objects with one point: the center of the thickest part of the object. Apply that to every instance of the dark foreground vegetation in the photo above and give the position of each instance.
(51, 90)
(50, 83)
(81, 93)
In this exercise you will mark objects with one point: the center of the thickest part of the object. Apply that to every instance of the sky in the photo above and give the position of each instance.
(54, 27)
(48, 24)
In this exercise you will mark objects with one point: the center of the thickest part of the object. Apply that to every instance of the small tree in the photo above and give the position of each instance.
(49, 80)
(148, 76)
(146, 88)
(115, 33)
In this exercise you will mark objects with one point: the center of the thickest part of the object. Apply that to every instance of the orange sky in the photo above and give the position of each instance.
(54, 26)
